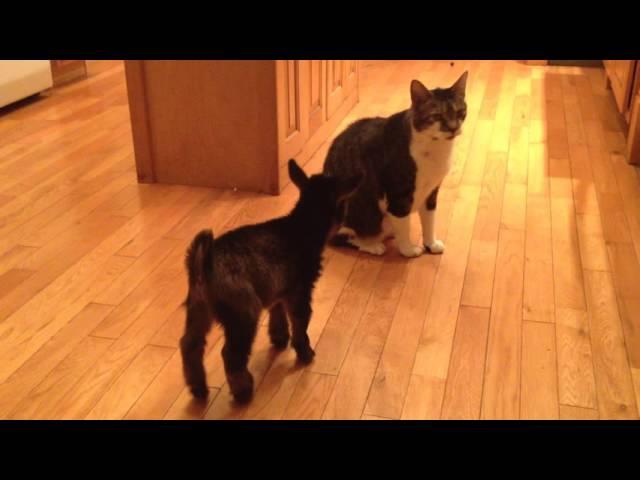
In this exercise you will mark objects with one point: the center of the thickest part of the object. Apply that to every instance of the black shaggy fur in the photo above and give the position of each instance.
(272, 265)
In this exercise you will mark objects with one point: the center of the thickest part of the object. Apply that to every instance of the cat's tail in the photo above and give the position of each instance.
(199, 261)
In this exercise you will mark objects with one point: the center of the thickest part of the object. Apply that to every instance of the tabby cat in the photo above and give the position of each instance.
(404, 159)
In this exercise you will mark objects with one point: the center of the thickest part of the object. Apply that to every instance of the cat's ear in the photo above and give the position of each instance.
(460, 86)
(348, 186)
(419, 93)
(297, 175)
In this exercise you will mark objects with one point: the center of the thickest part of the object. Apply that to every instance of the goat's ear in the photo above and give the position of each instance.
(349, 186)
(297, 175)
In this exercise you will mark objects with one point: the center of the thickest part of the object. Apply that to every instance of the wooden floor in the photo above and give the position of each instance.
(533, 311)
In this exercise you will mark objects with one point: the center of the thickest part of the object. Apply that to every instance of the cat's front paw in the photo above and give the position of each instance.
(373, 248)
(411, 250)
(435, 248)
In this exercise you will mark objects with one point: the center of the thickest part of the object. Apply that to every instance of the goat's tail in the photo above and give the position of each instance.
(199, 261)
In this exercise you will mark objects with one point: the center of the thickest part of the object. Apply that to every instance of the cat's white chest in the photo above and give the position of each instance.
(433, 160)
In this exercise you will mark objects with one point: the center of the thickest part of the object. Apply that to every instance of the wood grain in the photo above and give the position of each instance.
(531, 312)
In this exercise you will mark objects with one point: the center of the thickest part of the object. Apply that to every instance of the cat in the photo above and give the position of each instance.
(404, 159)
(272, 265)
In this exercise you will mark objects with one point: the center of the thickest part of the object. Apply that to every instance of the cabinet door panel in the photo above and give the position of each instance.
(317, 94)
(335, 85)
(620, 74)
(350, 77)
(292, 94)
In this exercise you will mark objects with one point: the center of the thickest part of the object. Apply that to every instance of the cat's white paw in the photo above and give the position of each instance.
(373, 248)
(436, 248)
(411, 250)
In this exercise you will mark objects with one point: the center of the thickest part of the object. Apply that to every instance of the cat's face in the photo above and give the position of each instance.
(440, 112)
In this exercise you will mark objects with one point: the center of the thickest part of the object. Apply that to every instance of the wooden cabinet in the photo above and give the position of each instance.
(623, 77)
(335, 83)
(341, 81)
(313, 97)
(234, 124)
(64, 71)
(633, 137)
(620, 74)
(293, 107)
(316, 80)
(350, 76)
